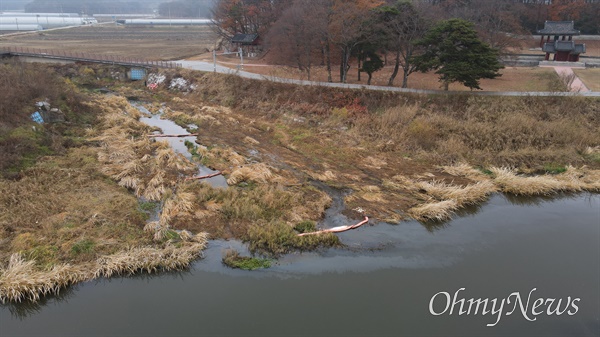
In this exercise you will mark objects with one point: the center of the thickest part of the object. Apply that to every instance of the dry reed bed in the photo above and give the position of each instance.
(20, 280)
(150, 169)
(443, 199)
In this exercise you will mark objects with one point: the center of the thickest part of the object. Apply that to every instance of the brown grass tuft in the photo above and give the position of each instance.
(439, 210)
(260, 173)
(509, 182)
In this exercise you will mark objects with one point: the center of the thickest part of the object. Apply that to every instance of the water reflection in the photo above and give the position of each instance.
(25, 309)
(539, 200)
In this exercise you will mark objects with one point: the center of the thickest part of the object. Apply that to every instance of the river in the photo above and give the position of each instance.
(381, 284)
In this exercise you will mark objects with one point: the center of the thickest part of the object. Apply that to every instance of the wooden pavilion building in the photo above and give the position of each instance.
(559, 41)
(249, 43)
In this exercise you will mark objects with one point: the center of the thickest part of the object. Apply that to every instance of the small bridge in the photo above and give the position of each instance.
(62, 55)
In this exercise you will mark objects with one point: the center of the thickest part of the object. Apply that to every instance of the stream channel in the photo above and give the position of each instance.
(380, 284)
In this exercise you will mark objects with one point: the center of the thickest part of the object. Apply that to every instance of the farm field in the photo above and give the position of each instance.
(152, 43)
(194, 43)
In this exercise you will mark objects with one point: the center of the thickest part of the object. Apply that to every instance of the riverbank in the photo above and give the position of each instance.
(389, 156)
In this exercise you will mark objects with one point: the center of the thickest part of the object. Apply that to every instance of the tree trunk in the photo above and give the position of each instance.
(396, 68)
(344, 64)
(405, 79)
(369, 79)
(446, 85)
(358, 68)
(328, 61)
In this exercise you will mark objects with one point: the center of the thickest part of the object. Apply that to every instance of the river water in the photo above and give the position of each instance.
(381, 284)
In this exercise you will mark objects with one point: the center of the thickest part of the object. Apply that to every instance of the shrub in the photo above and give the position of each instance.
(306, 226)
(277, 238)
(232, 259)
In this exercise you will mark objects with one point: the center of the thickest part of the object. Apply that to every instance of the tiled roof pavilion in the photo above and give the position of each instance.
(559, 28)
(559, 41)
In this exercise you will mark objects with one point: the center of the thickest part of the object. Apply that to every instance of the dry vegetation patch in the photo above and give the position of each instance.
(400, 155)
(362, 139)
(65, 221)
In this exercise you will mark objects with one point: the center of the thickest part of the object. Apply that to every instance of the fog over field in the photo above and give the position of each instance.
(177, 8)
(13, 4)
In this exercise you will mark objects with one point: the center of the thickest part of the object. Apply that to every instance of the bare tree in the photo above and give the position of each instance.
(402, 25)
(347, 28)
(246, 16)
(298, 35)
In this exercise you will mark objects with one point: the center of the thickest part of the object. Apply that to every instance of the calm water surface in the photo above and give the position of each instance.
(380, 285)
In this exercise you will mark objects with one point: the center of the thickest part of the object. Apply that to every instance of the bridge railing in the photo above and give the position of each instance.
(88, 57)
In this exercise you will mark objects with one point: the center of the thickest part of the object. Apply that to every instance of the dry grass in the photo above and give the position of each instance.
(573, 180)
(150, 259)
(442, 198)
(64, 222)
(322, 176)
(20, 280)
(361, 139)
(589, 77)
(438, 211)
(145, 166)
(483, 131)
(259, 173)
(467, 195)
(463, 169)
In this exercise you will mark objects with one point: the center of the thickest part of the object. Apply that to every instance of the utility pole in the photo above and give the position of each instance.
(241, 59)
(215, 60)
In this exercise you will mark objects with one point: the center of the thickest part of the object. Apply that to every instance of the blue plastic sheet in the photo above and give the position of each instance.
(37, 117)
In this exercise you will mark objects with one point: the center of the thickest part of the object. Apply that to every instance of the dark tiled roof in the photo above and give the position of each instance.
(579, 48)
(564, 45)
(559, 28)
(548, 48)
(244, 38)
(553, 47)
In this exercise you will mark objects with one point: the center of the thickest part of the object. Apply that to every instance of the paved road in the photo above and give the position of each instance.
(575, 83)
(207, 66)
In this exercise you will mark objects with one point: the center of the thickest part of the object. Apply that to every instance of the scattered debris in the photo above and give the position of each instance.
(205, 176)
(338, 229)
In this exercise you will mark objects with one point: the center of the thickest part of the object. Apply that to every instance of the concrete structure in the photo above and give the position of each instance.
(20, 28)
(46, 21)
